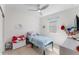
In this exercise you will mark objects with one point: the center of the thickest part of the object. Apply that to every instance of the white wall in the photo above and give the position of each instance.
(17, 14)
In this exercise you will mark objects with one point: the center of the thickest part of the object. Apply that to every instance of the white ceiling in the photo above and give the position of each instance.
(53, 8)
(57, 8)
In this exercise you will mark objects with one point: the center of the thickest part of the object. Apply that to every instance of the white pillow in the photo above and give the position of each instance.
(33, 34)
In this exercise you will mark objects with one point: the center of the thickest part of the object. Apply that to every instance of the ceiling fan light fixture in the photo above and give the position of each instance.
(39, 11)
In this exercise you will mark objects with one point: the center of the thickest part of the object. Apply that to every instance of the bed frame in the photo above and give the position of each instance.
(44, 52)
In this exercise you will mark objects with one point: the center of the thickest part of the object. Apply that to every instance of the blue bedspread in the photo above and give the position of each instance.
(40, 41)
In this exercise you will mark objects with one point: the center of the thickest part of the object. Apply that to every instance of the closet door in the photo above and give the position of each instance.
(1, 40)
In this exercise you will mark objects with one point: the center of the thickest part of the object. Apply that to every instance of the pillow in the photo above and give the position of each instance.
(29, 33)
(33, 34)
(37, 33)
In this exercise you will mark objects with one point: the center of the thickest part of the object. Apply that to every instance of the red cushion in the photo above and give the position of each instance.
(14, 39)
(21, 36)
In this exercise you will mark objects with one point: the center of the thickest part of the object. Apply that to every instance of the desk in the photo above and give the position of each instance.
(71, 44)
(69, 47)
(64, 41)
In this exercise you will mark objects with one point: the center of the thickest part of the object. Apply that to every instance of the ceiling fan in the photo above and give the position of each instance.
(39, 8)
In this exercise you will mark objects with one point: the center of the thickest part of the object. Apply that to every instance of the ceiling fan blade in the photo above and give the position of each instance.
(44, 7)
(32, 10)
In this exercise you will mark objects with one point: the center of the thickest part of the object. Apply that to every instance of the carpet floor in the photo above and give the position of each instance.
(28, 51)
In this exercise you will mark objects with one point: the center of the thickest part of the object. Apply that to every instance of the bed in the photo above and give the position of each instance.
(40, 41)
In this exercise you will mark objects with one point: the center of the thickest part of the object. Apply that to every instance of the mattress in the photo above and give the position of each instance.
(40, 41)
